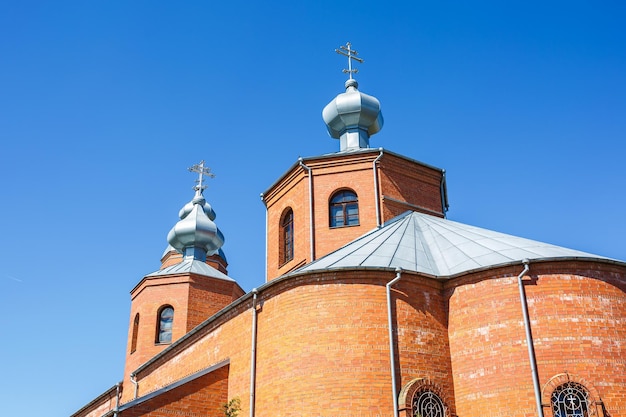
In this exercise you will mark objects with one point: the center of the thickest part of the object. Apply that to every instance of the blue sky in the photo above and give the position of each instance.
(105, 104)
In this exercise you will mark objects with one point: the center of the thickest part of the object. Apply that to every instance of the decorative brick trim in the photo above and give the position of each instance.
(560, 379)
(405, 398)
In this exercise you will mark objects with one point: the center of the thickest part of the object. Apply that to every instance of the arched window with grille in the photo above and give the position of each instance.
(570, 399)
(426, 403)
(133, 340)
(165, 320)
(344, 209)
(285, 250)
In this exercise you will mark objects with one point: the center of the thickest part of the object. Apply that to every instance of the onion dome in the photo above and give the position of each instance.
(352, 117)
(206, 207)
(196, 235)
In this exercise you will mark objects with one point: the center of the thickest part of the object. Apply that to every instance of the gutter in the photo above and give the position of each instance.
(392, 359)
(173, 385)
(253, 352)
(529, 338)
(444, 194)
(117, 399)
(133, 379)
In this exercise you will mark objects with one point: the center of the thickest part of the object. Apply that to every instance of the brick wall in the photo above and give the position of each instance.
(100, 405)
(404, 184)
(194, 299)
(323, 345)
(202, 397)
(422, 322)
(207, 296)
(404, 180)
(578, 320)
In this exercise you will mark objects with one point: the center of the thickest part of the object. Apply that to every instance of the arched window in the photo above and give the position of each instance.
(426, 403)
(164, 325)
(133, 340)
(285, 250)
(344, 209)
(570, 399)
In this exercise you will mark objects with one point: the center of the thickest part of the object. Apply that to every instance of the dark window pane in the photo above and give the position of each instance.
(344, 209)
(286, 237)
(133, 343)
(166, 320)
(336, 216)
(352, 213)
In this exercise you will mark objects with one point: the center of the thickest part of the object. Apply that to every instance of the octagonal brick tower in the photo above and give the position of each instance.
(368, 185)
(190, 287)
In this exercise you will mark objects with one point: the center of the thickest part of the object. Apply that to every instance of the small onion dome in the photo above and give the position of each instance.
(196, 236)
(352, 117)
(198, 199)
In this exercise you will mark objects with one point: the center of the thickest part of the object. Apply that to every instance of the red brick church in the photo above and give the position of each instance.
(375, 304)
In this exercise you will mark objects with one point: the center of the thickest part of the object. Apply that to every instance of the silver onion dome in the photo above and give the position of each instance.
(196, 235)
(197, 200)
(352, 117)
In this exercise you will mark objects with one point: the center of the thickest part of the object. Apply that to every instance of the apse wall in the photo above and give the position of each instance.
(577, 311)
(323, 343)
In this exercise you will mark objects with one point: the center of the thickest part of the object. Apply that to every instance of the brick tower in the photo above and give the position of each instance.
(191, 285)
(321, 203)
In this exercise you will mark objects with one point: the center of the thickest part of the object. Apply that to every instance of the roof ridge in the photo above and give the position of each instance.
(419, 221)
(439, 247)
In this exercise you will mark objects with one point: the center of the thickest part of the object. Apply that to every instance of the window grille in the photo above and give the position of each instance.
(428, 404)
(570, 400)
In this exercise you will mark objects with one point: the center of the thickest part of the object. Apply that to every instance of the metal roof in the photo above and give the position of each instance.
(438, 247)
(193, 266)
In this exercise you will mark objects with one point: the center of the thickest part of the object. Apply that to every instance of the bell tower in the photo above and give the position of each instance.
(190, 287)
(322, 203)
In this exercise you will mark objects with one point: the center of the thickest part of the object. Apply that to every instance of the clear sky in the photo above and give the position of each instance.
(105, 104)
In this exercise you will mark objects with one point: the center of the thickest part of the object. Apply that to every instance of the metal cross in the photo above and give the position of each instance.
(202, 171)
(351, 54)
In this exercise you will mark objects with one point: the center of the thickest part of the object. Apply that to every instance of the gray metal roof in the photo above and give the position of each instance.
(193, 266)
(438, 247)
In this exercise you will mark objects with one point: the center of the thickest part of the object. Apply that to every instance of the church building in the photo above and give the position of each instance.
(375, 304)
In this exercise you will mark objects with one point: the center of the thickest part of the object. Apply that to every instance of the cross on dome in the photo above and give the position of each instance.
(352, 117)
(196, 235)
(352, 55)
(202, 171)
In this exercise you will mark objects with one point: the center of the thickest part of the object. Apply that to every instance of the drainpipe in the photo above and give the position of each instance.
(117, 399)
(311, 237)
(266, 227)
(253, 353)
(376, 201)
(529, 338)
(133, 379)
(442, 191)
(392, 359)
